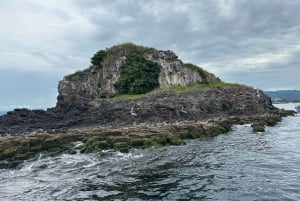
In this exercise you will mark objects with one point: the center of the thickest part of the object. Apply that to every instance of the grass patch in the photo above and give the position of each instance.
(109, 59)
(129, 49)
(126, 49)
(179, 89)
(203, 73)
(79, 75)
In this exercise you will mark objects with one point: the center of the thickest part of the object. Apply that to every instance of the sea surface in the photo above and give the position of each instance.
(239, 165)
(2, 113)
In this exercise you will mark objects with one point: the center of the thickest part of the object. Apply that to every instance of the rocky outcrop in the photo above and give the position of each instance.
(15, 149)
(83, 97)
(195, 105)
(88, 111)
(98, 81)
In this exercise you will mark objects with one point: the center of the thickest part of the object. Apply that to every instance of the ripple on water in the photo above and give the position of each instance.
(239, 165)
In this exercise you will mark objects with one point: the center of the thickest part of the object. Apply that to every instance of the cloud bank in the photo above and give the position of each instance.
(253, 42)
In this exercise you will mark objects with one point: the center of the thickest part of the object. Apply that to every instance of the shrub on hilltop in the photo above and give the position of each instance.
(98, 57)
(138, 75)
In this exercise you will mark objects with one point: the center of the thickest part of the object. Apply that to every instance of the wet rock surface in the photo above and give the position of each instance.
(15, 149)
(154, 120)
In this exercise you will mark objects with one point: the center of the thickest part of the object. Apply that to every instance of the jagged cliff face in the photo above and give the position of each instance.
(98, 81)
(173, 72)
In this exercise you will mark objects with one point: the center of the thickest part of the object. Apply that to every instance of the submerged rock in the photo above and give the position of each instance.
(258, 127)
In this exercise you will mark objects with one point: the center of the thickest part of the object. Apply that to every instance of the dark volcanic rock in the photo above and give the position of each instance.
(162, 107)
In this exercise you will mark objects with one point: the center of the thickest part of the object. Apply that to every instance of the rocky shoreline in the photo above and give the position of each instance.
(15, 149)
(195, 105)
(92, 114)
(151, 120)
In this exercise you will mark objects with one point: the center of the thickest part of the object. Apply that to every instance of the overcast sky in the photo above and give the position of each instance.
(255, 42)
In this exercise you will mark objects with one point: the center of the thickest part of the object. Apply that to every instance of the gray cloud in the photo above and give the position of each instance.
(253, 42)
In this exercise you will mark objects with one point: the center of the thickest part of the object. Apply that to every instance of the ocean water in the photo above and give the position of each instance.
(2, 113)
(239, 165)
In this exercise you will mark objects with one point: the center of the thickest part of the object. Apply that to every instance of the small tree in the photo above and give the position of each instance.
(138, 76)
(98, 57)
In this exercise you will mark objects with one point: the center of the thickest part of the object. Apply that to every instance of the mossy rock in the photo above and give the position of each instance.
(102, 144)
(222, 129)
(93, 141)
(151, 142)
(49, 143)
(215, 130)
(272, 121)
(174, 140)
(71, 151)
(97, 146)
(68, 148)
(14, 163)
(161, 140)
(90, 148)
(122, 146)
(37, 149)
(24, 156)
(137, 142)
(34, 141)
(258, 127)
(25, 143)
(8, 153)
(156, 142)
(191, 135)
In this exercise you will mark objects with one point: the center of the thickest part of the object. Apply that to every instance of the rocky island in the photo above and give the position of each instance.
(132, 96)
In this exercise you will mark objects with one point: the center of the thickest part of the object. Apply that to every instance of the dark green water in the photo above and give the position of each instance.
(240, 165)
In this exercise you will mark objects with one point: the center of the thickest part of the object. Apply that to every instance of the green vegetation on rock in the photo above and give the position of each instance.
(79, 75)
(98, 57)
(130, 49)
(258, 127)
(179, 89)
(203, 73)
(138, 76)
(14, 151)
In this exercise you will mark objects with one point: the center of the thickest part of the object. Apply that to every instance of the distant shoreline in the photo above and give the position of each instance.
(284, 96)
(285, 101)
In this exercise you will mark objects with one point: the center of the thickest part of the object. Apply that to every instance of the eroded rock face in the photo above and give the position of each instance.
(195, 105)
(99, 81)
(173, 72)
